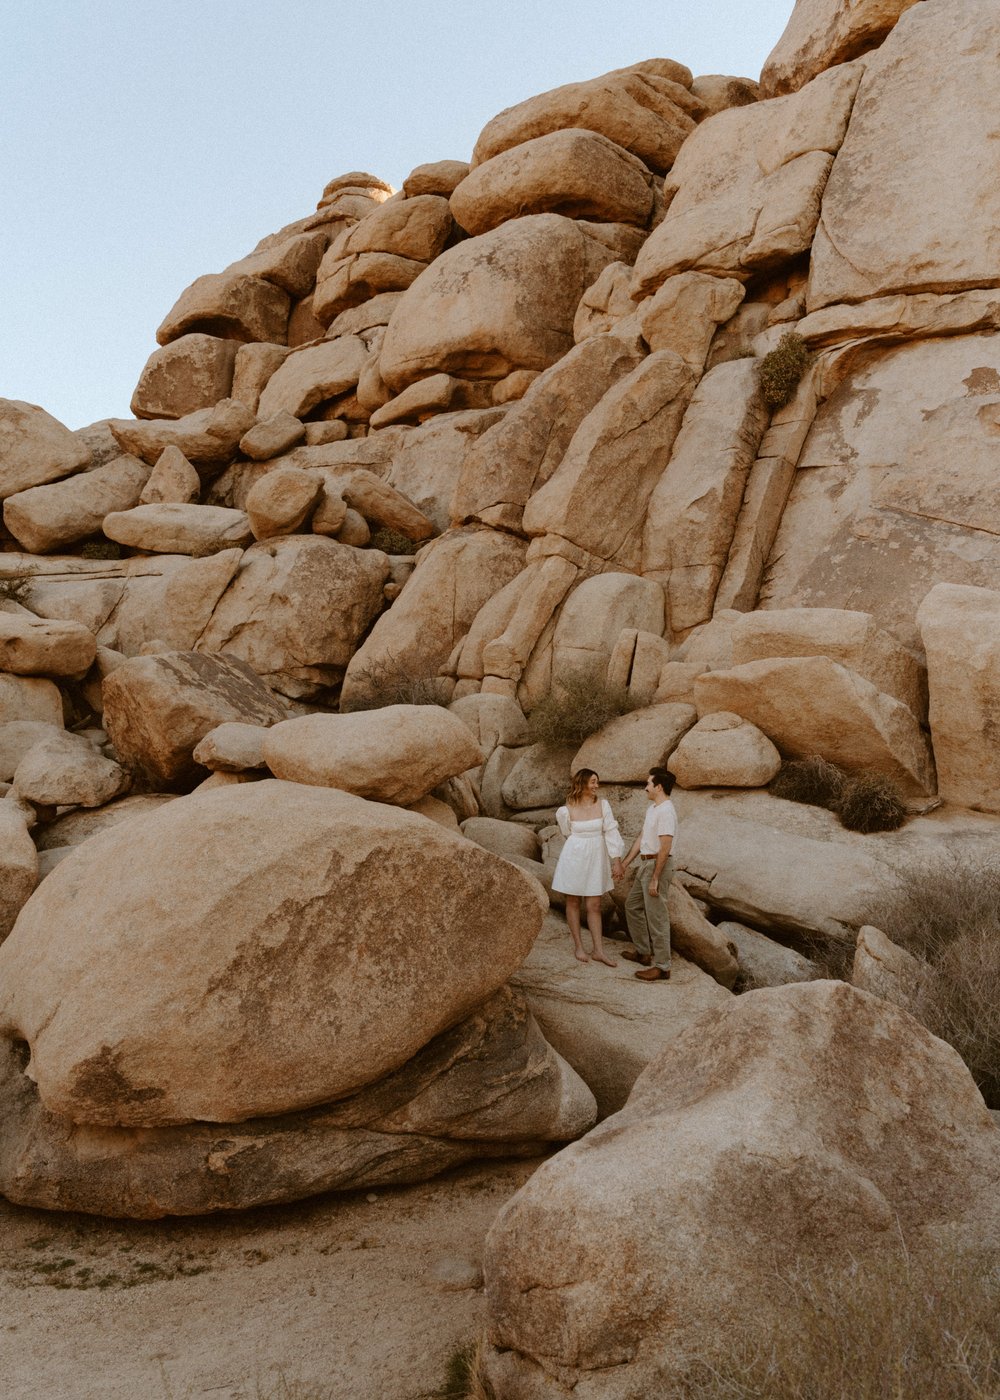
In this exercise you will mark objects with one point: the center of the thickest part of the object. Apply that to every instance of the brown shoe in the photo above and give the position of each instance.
(652, 974)
(633, 955)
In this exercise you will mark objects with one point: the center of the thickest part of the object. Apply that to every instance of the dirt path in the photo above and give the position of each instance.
(334, 1299)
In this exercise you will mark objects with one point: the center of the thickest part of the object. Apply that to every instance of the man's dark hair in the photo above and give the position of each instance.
(661, 778)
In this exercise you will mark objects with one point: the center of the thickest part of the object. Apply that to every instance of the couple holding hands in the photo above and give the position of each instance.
(591, 861)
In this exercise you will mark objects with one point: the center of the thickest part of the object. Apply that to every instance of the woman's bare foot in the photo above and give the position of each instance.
(602, 957)
(580, 955)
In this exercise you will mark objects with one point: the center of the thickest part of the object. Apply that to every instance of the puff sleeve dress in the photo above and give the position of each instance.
(584, 866)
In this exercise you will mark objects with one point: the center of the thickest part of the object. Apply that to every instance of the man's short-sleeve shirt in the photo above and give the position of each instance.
(661, 820)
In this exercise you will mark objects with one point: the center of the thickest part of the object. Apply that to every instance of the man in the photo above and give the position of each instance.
(646, 906)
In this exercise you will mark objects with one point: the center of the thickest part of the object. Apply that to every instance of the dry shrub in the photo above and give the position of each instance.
(578, 707)
(389, 682)
(871, 802)
(101, 549)
(887, 1329)
(464, 1379)
(15, 590)
(392, 541)
(810, 780)
(949, 916)
(782, 368)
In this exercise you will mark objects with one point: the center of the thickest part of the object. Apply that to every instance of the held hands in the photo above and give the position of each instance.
(617, 869)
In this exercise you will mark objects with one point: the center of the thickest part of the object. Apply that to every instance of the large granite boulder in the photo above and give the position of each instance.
(837, 1122)
(500, 302)
(235, 306)
(49, 517)
(177, 527)
(301, 986)
(35, 447)
(36, 646)
(647, 108)
(18, 865)
(395, 754)
(909, 140)
(209, 437)
(193, 372)
(296, 610)
(158, 708)
(823, 33)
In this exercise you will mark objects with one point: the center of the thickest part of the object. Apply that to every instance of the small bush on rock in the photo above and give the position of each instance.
(464, 1379)
(871, 802)
(15, 590)
(578, 707)
(810, 780)
(392, 542)
(101, 549)
(781, 370)
(388, 682)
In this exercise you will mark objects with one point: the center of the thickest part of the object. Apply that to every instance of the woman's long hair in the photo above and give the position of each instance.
(578, 786)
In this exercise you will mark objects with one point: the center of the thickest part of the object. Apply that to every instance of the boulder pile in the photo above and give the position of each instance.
(644, 400)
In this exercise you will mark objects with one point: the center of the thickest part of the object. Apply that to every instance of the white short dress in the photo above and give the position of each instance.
(584, 866)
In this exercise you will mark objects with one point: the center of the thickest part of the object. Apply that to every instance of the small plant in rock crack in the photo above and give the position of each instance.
(782, 368)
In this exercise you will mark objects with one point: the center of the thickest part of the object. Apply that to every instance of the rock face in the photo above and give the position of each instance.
(735, 1108)
(491, 1086)
(396, 754)
(723, 750)
(35, 447)
(18, 865)
(493, 304)
(157, 709)
(191, 373)
(823, 33)
(278, 1005)
(45, 518)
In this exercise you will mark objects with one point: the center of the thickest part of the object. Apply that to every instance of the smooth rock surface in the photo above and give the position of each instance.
(63, 770)
(193, 372)
(46, 518)
(18, 865)
(170, 527)
(626, 748)
(35, 447)
(38, 646)
(724, 750)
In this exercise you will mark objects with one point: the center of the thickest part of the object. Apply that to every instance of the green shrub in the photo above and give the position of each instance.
(781, 370)
(392, 542)
(101, 549)
(575, 709)
(949, 916)
(871, 802)
(891, 1328)
(810, 780)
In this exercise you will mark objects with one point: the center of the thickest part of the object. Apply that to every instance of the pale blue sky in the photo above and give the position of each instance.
(148, 141)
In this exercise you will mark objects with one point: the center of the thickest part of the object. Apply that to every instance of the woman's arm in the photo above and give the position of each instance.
(563, 821)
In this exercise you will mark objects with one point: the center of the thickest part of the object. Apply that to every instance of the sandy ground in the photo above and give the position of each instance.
(337, 1298)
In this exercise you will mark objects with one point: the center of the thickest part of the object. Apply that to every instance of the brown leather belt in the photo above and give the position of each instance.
(642, 857)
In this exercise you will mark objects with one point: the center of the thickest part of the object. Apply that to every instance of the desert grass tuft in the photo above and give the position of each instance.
(871, 802)
(392, 541)
(390, 682)
(464, 1378)
(809, 780)
(576, 708)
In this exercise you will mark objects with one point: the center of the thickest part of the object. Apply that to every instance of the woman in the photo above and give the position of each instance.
(584, 869)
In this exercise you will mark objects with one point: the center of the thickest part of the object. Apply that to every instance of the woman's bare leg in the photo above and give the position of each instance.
(597, 931)
(573, 919)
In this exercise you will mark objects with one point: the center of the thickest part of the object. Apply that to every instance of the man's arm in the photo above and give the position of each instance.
(662, 856)
(633, 852)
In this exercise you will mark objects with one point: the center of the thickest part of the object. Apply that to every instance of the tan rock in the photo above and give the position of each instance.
(744, 1097)
(885, 970)
(202, 1064)
(765, 963)
(502, 838)
(892, 500)
(157, 709)
(35, 448)
(36, 646)
(698, 940)
(853, 639)
(255, 364)
(574, 172)
(290, 263)
(492, 304)
(396, 754)
(746, 190)
(822, 33)
(232, 748)
(693, 510)
(436, 177)
(812, 705)
(234, 306)
(676, 682)
(64, 770)
(281, 501)
(723, 750)
(330, 515)
(593, 617)
(16, 738)
(171, 527)
(360, 277)
(209, 437)
(18, 866)
(193, 372)
(521, 452)
(958, 627)
(297, 609)
(342, 192)
(904, 135)
(436, 811)
(539, 776)
(626, 748)
(73, 828)
(354, 529)
(631, 431)
(415, 228)
(647, 108)
(439, 393)
(50, 517)
(29, 698)
(172, 479)
(371, 314)
(272, 437)
(492, 720)
(427, 460)
(719, 91)
(310, 376)
(319, 434)
(607, 1033)
(454, 577)
(684, 314)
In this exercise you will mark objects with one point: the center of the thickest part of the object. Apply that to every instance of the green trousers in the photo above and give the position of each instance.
(646, 914)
